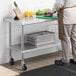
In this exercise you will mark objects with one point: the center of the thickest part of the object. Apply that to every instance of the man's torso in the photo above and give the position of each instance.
(70, 13)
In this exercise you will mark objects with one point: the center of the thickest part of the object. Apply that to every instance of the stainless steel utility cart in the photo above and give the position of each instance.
(24, 48)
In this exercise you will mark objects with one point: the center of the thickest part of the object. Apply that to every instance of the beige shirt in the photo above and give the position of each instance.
(69, 15)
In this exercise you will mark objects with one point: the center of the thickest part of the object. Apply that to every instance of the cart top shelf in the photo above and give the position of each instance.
(27, 21)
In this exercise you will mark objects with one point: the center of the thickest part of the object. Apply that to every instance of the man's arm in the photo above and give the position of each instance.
(58, 5)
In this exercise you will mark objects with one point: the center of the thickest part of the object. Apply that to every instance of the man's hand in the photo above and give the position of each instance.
(48, 14)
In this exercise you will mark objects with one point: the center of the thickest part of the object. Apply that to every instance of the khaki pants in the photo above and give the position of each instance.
(69, 36)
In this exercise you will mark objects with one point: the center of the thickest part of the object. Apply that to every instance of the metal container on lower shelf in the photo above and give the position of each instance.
(40, 38)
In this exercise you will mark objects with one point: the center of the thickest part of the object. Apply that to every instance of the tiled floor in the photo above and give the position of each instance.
(35, 62)
(7, 72)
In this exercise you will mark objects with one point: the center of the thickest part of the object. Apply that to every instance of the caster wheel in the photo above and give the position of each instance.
(11, 61)
(24, 67)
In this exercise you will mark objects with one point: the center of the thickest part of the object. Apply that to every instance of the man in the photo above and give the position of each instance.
(69, 28)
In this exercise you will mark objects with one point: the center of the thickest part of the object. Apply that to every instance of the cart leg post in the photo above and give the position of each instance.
(24, 67)
(11, 61)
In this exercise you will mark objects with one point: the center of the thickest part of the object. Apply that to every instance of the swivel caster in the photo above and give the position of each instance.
(11, 61)
(24, 67)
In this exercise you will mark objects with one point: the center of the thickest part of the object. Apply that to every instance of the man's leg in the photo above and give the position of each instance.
(73, 41)
(65, 43)
(65, 50)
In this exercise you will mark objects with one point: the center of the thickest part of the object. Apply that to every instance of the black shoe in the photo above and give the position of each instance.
(59, 62)
(72, 61)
